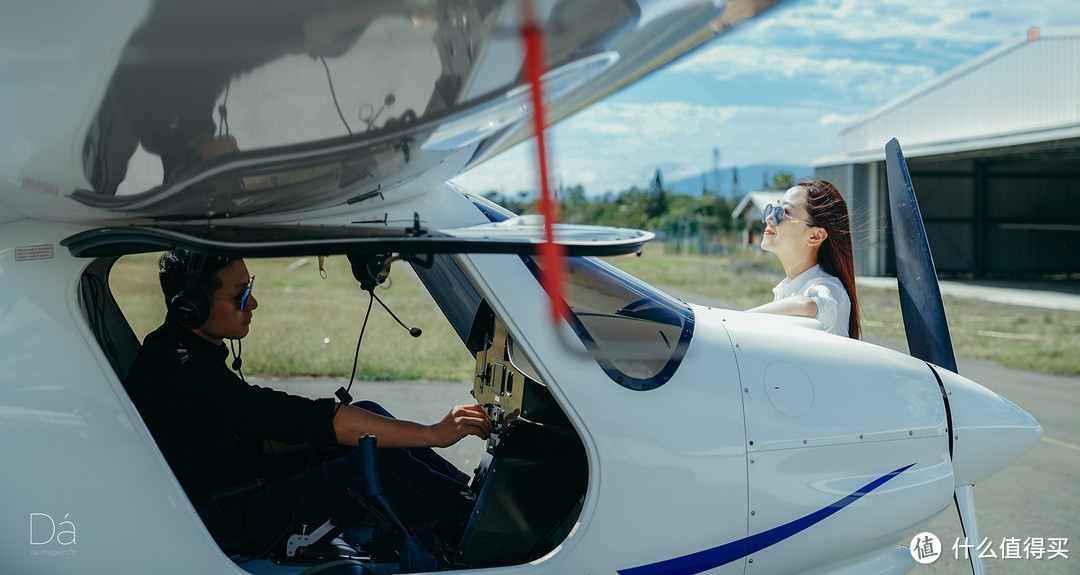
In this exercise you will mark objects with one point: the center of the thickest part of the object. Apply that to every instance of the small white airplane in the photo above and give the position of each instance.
(656, 436)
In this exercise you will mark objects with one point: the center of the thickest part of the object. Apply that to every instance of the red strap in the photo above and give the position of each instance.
(551, 253)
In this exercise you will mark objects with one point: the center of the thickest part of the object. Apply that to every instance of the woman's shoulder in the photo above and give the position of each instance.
(823, 276)
(818, 283)
(816, 276)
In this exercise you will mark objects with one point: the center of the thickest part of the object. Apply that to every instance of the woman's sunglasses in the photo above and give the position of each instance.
(778, 214)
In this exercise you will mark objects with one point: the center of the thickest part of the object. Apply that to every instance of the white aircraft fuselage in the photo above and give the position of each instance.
(714, 440)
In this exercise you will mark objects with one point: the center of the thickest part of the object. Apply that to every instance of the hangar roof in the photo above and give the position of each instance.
(1017, 95)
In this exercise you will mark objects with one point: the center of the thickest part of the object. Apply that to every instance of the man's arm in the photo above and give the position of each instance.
(802, 306)
(352, 423)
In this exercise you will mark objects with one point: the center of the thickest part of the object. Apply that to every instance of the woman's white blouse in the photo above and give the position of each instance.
(833, 304)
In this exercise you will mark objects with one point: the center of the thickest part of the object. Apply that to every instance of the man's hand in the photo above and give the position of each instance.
(463, 420)
(210, 146)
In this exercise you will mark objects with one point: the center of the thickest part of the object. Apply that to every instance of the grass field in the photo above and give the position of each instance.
(306, 325)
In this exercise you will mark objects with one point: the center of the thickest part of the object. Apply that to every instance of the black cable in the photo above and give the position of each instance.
(238, 362)
(356, 359)
(223, 111)
(413, 331)
(333, 94)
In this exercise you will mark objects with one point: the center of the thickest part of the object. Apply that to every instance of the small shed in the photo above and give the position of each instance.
(749, 211)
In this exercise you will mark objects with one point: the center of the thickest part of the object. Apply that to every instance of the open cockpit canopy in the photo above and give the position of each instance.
(290, 111)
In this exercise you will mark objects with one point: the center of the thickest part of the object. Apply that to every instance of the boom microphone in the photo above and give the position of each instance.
(413, 331)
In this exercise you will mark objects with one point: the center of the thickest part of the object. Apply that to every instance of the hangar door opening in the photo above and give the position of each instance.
(1002, 216)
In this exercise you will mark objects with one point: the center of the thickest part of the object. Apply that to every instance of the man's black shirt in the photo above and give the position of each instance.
(210, 424)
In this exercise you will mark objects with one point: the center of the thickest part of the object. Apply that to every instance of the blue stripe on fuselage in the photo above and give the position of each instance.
(724, 554)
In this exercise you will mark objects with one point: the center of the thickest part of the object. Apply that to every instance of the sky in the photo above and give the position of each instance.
(775, 91)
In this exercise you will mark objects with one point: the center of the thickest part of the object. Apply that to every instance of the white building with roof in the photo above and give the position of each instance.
(993, 148)
(749, 211)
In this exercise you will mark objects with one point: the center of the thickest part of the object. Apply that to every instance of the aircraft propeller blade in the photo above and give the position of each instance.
(964, 498)
(925, 324)
(920, 297)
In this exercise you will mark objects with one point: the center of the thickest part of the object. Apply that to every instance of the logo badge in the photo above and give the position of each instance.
(925, 548)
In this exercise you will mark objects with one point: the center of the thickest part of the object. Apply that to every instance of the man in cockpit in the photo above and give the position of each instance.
(218, 432)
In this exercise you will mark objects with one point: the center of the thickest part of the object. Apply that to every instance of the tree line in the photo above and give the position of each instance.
(652, 208)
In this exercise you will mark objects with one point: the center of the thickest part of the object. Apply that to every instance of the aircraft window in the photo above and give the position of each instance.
(637, 333)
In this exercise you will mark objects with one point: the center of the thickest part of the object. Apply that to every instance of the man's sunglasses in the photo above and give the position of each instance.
(243, 299)
(778, 214)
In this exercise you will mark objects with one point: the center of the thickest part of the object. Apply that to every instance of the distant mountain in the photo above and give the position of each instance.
(750, 179)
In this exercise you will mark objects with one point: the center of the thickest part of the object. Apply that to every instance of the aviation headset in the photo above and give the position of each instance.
(190, 307)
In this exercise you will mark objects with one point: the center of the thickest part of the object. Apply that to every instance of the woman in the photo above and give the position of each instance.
(809, 231)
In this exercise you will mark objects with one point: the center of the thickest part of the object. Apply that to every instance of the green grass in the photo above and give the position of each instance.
(1046, 341)
(744, 280)
(298, 311)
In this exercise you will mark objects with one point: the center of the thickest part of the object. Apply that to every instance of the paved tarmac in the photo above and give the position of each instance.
(1063, 295)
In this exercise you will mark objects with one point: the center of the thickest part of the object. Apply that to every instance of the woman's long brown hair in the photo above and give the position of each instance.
(828, 210)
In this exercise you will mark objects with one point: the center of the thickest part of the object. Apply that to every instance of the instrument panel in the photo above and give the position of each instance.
(499, 385)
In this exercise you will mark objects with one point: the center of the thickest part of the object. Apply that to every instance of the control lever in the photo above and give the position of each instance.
(414, 558)
(370, 485)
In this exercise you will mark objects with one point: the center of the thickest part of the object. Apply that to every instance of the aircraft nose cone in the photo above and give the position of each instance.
(989, 431)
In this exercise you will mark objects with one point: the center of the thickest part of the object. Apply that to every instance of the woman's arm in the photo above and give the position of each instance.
(800, 305)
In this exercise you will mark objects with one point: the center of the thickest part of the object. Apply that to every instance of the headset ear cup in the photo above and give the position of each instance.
(190, 309)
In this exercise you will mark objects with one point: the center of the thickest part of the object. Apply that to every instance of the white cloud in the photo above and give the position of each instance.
(677, 138)
(866, 77)
(842, 58)
(872, 48)
(978, 21)
(836, 119)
